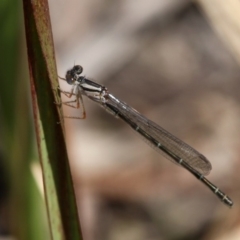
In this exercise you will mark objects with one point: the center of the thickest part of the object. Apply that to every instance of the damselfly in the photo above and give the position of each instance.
(158, 138)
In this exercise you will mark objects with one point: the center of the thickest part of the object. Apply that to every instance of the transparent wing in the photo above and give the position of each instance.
(174, 145)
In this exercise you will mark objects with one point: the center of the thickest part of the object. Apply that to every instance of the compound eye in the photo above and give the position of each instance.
(69, 78)
(78, 69)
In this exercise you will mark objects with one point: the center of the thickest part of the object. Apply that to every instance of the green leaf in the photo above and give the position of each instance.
(58, 186)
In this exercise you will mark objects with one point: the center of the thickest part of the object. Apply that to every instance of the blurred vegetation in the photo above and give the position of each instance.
(24, 208)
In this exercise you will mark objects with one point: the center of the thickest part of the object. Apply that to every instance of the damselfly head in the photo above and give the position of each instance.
(73, 74)
(77, 70)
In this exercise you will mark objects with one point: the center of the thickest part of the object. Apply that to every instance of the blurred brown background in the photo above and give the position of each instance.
(176, 62)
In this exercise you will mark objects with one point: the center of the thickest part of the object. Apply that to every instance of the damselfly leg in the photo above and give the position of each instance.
(77, 102)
